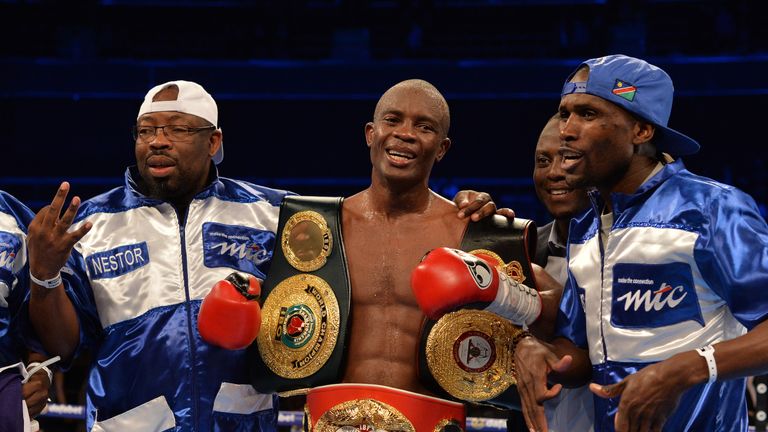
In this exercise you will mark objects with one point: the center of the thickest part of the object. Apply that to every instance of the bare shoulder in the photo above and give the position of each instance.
(353, 201)
(445, 210)
(443, 204)
(352, 206)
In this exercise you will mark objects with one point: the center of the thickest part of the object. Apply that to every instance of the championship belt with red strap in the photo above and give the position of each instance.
(466, 354)
(368, 407)
(306, 300)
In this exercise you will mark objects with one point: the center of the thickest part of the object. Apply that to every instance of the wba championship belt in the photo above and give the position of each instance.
(306, 300)
(466, 353)
(368, 407)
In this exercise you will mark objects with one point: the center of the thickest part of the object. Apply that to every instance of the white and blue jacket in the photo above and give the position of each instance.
(14, 285)
(685, 265)
(137, 280)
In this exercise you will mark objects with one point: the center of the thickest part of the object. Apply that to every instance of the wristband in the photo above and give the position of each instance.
(48, 283)
(708, 352)
(33, 367)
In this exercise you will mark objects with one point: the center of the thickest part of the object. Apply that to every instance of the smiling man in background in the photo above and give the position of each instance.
(665, 304)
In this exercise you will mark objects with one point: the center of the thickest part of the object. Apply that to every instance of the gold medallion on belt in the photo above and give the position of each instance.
(306, 241)
(363, 414)
(300, 326)
(468, 353)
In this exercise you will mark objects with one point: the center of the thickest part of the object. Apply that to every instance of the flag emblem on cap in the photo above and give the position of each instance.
(625, 90)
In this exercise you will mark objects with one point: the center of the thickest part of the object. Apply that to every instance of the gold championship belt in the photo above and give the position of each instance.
(307, 300)
(369, 407)
(466, 353)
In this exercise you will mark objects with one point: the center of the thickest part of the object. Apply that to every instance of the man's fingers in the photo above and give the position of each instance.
(598, 390)
(477, 205)
(506, 212)
(69, 215)
(538, 420)
(607, 391)
(35, 395)
(481, 199)
(536, 395)
(657, 425)
(36, 409)
(562, 364)
(462, 198)
(620, 422)
(486, 210)
(41, 216)
(533, 412)
(528, 401)
(54, 210)
(79, 233)
(550, 393)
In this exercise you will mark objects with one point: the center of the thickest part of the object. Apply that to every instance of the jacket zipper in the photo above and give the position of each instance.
(188, 306)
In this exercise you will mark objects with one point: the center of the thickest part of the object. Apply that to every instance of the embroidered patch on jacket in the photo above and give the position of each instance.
(9, 249)
(653, 295)
(625, 90)
(237, 247)
(118, 261)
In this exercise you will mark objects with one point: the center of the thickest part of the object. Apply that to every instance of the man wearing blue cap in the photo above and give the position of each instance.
(664, 308)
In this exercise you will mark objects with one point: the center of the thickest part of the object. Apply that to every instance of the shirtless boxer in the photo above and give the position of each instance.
(387, 229)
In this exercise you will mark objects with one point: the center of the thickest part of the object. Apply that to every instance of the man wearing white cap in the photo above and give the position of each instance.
(131, 289)
(665, 305)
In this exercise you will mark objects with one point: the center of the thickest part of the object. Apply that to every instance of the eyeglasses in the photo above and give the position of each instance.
(172, 132)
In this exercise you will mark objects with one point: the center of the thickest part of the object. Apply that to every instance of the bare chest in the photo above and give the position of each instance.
(381, 259)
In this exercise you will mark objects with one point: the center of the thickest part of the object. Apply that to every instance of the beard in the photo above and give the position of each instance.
(159, 188)
(172, 190)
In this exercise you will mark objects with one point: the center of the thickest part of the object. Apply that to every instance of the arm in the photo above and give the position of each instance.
(50, 244)
(550, 292)
(649, 396)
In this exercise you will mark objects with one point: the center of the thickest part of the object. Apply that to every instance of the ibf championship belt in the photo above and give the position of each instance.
(368, 407)
(466, 353)
(307, 300)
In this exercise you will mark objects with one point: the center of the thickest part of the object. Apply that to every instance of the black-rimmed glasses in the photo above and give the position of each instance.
(172, 132)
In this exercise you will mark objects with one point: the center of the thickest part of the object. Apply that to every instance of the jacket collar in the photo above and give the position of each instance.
(135, 184)
(623, 201)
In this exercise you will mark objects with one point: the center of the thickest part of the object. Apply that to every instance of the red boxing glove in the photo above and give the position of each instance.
(230, 315)
(446, 279)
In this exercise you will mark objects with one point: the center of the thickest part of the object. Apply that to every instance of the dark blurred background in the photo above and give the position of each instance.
(297, 80)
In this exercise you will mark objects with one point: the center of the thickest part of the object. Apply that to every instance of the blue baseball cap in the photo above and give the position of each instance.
(640, 88)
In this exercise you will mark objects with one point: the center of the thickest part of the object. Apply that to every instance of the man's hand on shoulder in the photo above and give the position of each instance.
(473, 204)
